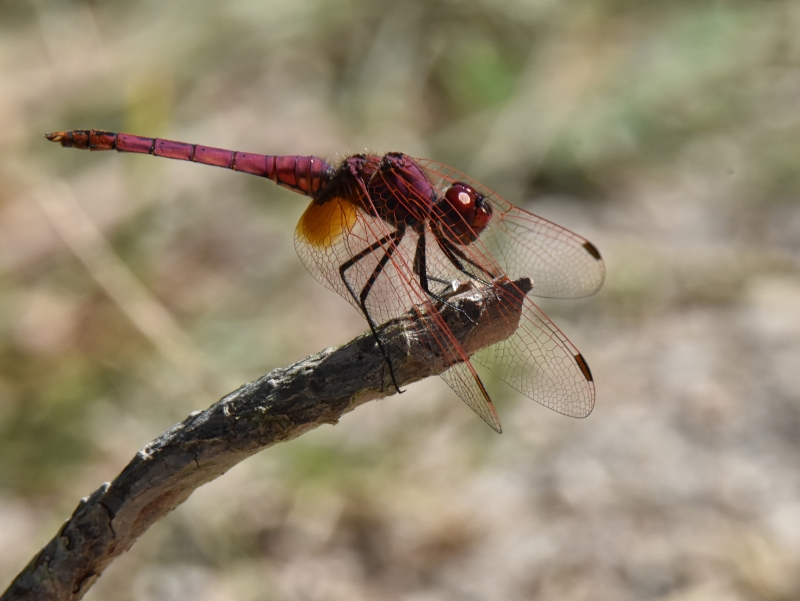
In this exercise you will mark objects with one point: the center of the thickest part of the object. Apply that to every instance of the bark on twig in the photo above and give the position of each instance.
(280, 406)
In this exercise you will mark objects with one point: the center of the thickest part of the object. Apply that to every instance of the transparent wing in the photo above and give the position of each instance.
(560, 263)
(539, 361)
(330, 236)
(462, 378)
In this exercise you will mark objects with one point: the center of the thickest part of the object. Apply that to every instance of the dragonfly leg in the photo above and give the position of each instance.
(392, 240)
(421, 269)
(447, 285)
(356, 258)
(456, 256)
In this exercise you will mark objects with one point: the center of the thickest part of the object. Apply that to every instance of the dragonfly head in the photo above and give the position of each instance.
(464, 213)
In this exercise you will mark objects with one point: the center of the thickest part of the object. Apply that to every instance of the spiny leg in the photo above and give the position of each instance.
(455, 255)
(368, 288)
(393, 240)
(432, 278)
(447, 285)
(356, 258)
(421, 269)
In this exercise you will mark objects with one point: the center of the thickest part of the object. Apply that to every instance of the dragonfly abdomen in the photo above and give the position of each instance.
(303, 174)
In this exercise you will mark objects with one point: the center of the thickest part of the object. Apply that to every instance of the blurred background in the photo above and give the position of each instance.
(135, 290)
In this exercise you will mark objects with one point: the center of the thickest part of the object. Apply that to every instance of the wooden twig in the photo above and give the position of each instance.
(280, 406)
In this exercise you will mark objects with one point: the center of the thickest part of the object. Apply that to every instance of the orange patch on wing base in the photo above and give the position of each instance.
(323, 224)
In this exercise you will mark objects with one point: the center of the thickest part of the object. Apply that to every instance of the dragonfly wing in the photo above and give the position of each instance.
(539, 361)
(334, 233)
(466, 383)
(560, 263)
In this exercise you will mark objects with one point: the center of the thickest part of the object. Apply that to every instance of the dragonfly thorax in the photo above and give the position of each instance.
(400, 192)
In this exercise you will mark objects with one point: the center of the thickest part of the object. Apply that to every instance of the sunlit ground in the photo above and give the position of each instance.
(135, 290)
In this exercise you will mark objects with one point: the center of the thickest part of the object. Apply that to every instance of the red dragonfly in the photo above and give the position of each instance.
(391, 233)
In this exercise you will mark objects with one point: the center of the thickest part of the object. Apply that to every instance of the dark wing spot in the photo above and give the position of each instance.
(592, 249)
(584, 367)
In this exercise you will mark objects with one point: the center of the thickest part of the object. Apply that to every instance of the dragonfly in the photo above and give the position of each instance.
(391, 233)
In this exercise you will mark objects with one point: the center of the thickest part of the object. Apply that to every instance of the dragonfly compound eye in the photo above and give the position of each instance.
(464, 213)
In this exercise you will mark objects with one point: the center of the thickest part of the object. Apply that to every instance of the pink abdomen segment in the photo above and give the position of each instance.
(304, 174)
